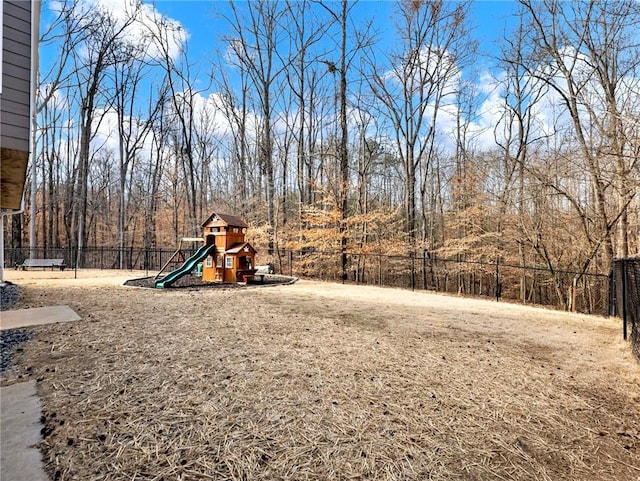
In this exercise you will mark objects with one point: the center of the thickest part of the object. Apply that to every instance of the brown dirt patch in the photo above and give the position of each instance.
(325, 381)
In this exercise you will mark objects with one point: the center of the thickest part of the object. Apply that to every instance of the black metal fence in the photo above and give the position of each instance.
(98, 257)
(588, 293)
(624, 302)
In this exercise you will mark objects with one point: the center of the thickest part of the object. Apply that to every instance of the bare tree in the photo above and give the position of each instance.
(586, 53)
(151, 177)
(51, 119)
(255, 39)
(172, 55)
(515, 133)
(341, 18)
(415, 82)
(234, 105)
(348, 53)
(67, 32)
(102, 32)
(131, 65)
(303, 80)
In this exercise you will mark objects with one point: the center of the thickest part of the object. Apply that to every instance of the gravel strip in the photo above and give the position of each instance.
(9, 295)
(10, 341)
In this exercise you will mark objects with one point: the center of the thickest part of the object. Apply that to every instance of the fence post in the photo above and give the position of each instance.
(498, 285)
(574, 290)
(623, 269)
(424, 269)
(413, 270)
(291, 263)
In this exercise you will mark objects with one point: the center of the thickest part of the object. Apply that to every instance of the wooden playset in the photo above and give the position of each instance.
(225, 255)
(233, 257)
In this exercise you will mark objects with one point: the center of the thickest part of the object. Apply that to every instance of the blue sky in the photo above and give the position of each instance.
(489, 20)
(205, 27)
(200, 19)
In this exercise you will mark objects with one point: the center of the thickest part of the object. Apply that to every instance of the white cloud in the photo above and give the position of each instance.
(148, 30)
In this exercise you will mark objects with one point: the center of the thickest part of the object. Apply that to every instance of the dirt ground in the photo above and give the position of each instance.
(324, 381)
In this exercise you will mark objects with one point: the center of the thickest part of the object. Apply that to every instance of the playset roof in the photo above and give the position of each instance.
(227, 219)
(236, 248)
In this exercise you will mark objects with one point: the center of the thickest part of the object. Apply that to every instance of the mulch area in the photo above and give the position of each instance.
(193, 281)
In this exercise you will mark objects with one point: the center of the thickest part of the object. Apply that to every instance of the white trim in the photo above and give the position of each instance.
(1, 47)
(35, 65)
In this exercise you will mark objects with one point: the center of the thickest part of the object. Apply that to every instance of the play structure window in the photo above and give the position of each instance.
(209, 261)
(235, 230)
(228, 262)
(219, 261)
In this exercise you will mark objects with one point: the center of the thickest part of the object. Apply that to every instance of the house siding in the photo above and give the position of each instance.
(16, 82)
(15, 100)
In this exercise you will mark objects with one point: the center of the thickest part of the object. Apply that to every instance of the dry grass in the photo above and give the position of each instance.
(320, 381)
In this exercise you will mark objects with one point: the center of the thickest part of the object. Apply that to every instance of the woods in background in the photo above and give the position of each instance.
(325, 135)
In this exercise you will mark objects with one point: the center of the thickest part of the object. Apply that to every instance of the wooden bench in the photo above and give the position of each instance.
(245, 275)
(42, 263)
